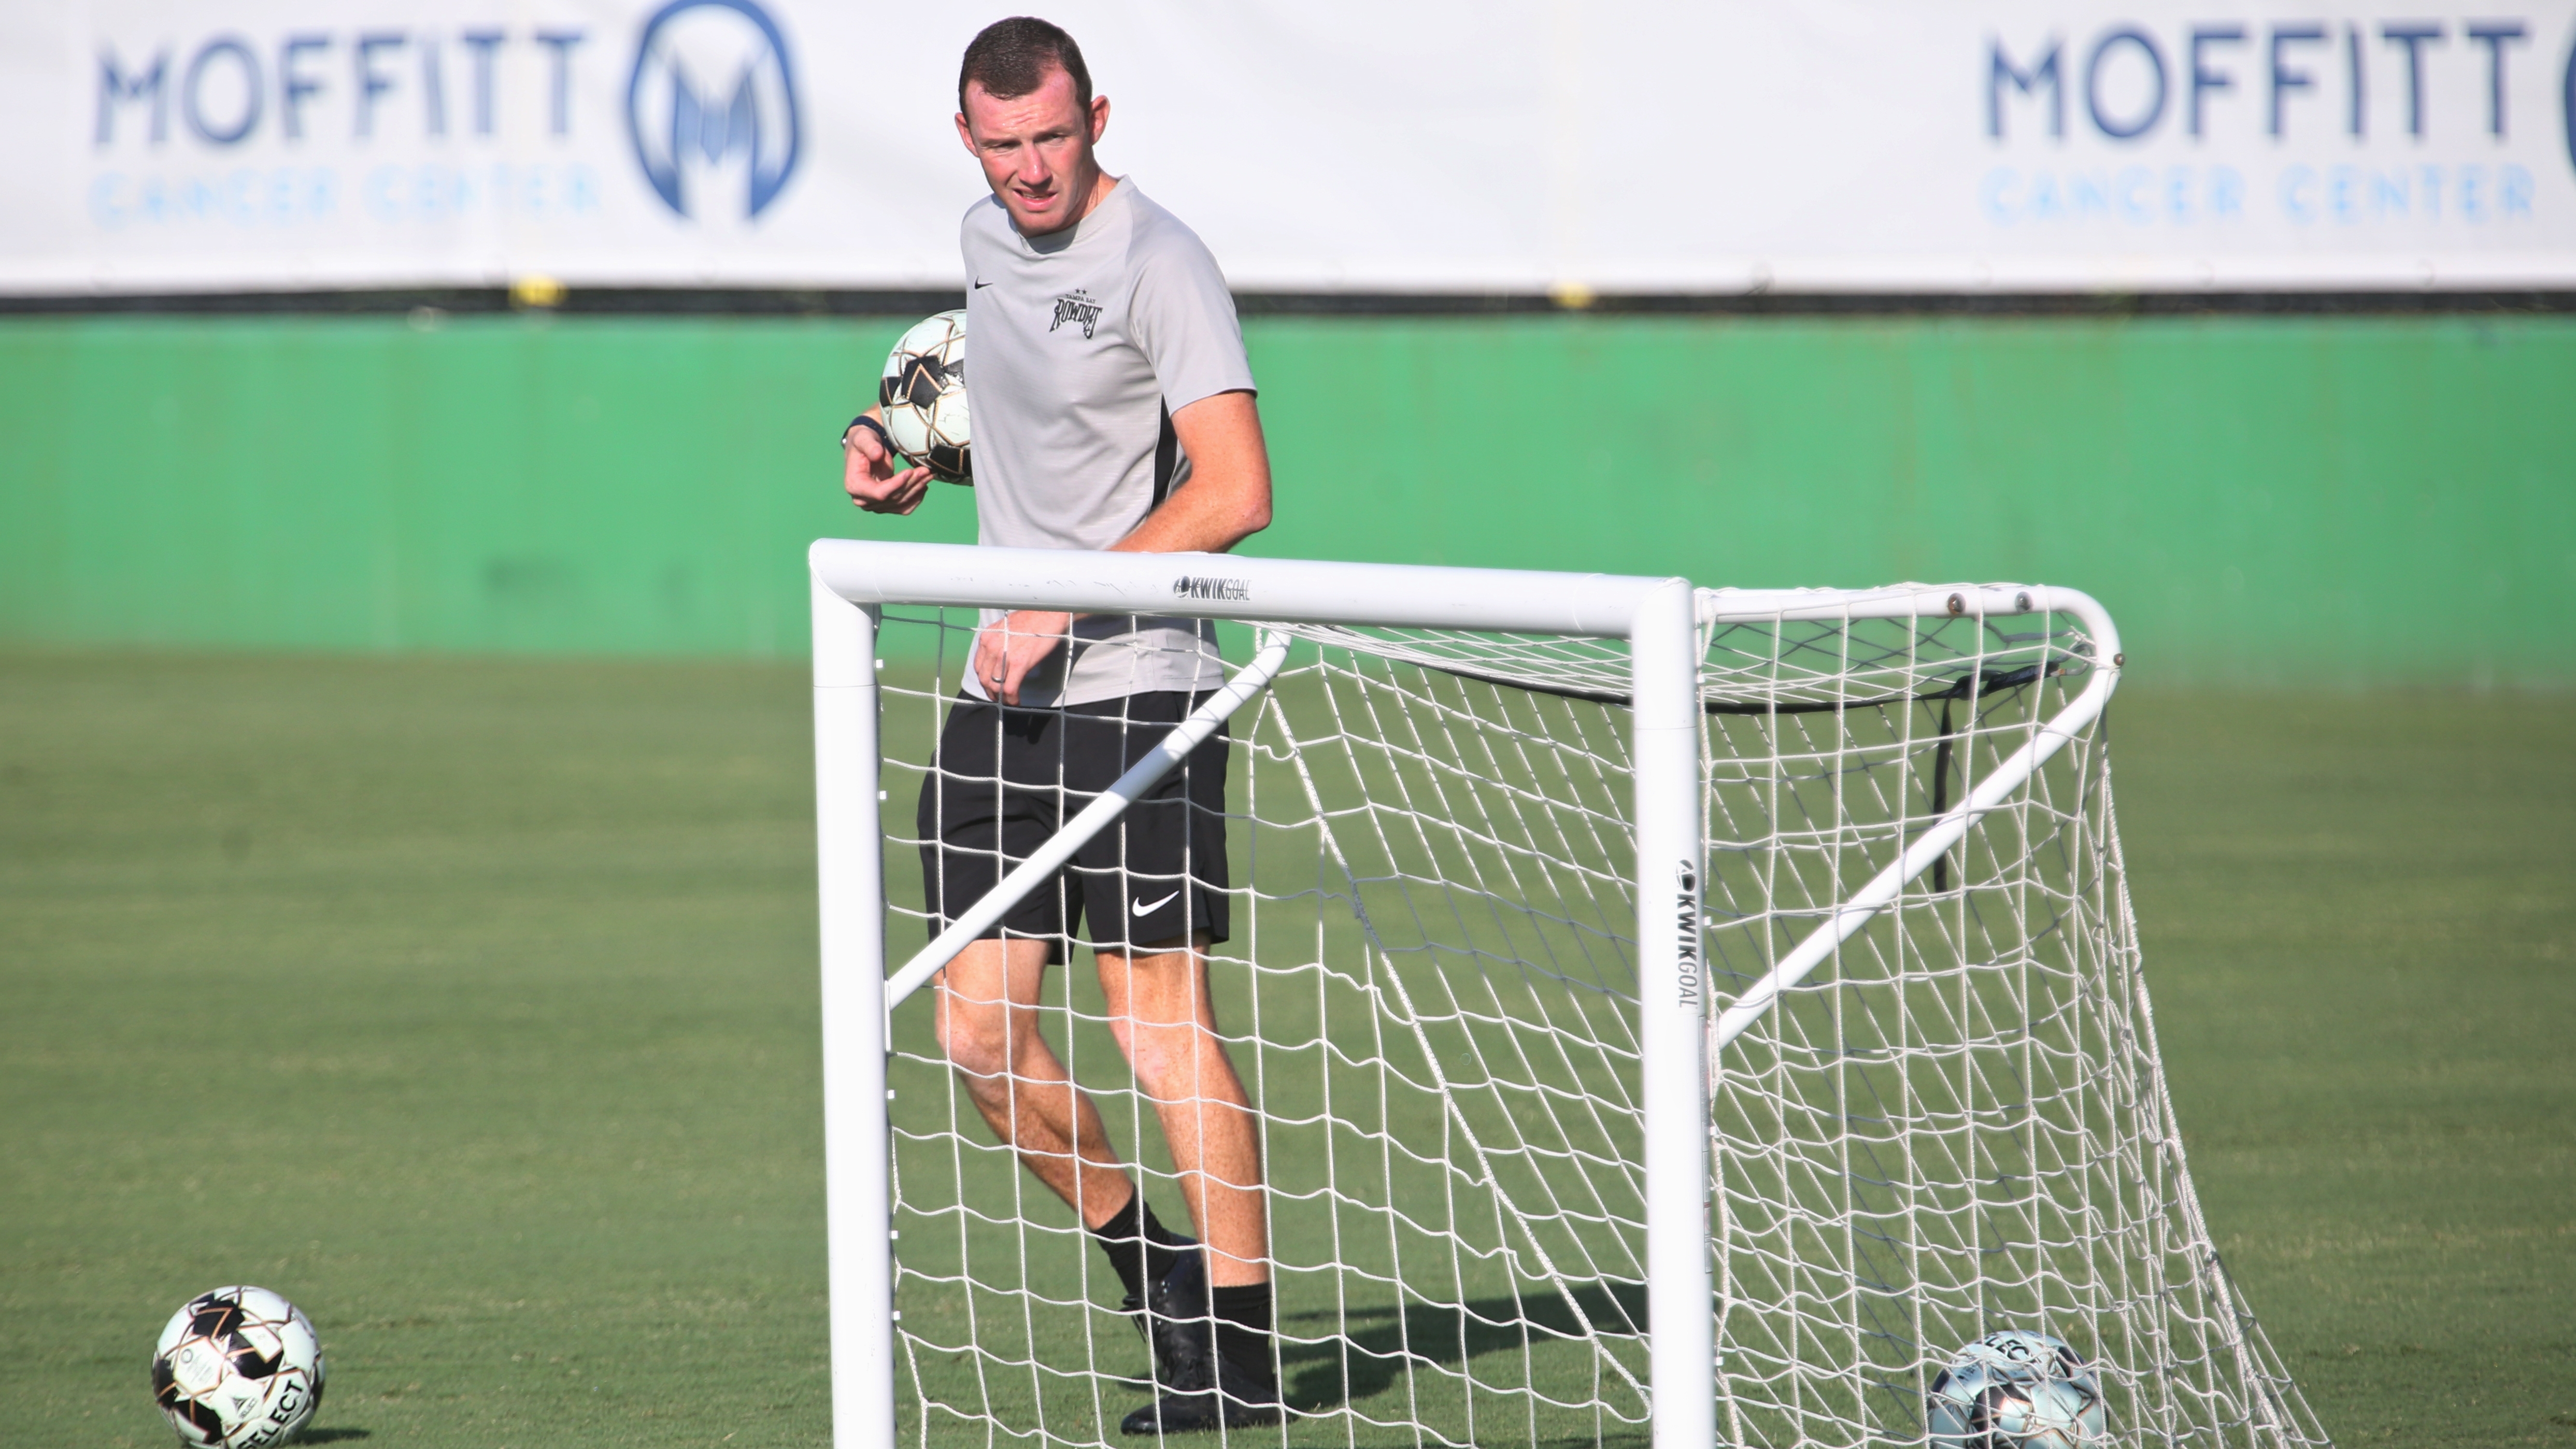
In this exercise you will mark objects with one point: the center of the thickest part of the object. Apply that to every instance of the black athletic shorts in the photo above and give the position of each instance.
(1005, 778)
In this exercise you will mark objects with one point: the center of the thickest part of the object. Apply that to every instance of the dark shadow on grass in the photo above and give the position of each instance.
(1366, 1361)
(330, 1436)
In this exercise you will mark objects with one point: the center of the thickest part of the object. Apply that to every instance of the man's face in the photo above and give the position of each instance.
(1036, 150)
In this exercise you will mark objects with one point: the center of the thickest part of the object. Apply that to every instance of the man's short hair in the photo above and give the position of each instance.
(1010, 58)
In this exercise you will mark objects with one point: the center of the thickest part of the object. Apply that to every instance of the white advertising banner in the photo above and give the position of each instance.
(1318, 146)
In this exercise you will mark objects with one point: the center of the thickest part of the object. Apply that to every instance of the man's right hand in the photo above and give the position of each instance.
(871, 476)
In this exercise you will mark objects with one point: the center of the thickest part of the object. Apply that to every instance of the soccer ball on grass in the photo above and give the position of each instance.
(238, 1368)
(2016, 1390)
(922, 396)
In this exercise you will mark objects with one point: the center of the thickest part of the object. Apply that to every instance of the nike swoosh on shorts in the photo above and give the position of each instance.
(1147, 908)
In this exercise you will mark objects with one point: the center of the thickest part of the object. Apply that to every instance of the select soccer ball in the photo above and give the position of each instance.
(922, 396)
(2016, 1390)
(238, 1368)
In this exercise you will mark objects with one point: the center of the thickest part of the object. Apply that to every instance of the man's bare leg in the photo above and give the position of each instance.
(988, 1025)
(1165, 1020)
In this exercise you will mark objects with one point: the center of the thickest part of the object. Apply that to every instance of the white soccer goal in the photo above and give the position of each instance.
(1557, 1150)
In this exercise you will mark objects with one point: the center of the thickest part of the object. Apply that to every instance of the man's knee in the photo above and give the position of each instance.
(976, 1040)
(1180, 1063)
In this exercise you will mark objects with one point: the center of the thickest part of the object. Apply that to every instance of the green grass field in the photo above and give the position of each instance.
(471, 1004)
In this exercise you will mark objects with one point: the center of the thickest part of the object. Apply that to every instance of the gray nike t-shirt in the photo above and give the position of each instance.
(1081, 344)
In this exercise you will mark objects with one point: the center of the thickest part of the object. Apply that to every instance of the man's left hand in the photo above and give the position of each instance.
(1015, 644)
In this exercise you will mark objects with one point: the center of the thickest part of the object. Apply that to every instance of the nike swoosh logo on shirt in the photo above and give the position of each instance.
(1147, 908)
(981, 284)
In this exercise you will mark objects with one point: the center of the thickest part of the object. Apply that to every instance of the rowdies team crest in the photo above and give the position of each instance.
(1078, 308)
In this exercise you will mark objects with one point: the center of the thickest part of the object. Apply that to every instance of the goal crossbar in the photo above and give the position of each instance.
(1223, 586)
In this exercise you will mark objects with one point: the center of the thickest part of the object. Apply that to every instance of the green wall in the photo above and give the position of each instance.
(2306, 499)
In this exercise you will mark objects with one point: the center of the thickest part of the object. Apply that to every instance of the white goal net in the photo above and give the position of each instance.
(1959, 1122)
(1923, 1076)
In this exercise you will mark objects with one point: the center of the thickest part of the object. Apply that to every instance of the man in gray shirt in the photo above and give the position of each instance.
(1113, 409)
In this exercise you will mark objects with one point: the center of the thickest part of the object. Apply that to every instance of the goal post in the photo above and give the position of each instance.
(1669, 1014)
(854, 581)
(848, 857)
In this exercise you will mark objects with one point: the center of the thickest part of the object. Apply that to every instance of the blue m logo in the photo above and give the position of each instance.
(713, 92)
(2567, 103)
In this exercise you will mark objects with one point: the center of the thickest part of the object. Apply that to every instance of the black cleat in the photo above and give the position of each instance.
(1244, 1398)
(1205, 1386)
(1179, 1323)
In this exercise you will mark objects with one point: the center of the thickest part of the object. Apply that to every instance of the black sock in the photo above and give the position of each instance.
(1122, 1242)
(1139, 1248)
(1162, 1246)
(1243, 1315)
